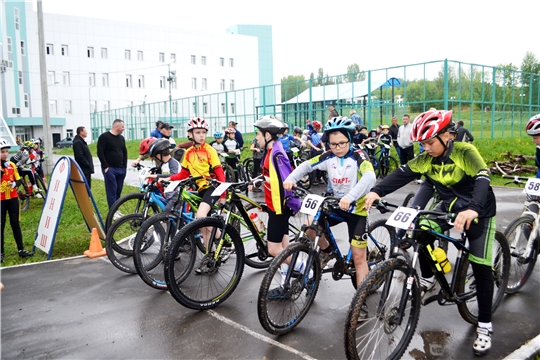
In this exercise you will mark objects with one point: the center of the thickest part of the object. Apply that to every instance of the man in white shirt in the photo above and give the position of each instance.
(404, 141)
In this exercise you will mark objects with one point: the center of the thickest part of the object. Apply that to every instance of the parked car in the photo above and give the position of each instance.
(67, 142)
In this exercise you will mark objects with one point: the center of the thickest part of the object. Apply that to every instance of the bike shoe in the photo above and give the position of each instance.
(325, 257)
(482, 344)
(25, 253)
(363, 311)
(226, 254)
(278, 293)
(426, 285)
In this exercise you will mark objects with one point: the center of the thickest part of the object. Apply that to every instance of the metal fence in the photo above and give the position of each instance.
(492, 102)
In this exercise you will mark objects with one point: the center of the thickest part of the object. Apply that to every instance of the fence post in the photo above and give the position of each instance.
(446, 84)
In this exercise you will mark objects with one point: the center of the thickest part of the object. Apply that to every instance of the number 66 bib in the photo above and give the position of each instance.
(402, 217)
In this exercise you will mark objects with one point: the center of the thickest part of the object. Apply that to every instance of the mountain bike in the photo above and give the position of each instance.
(523, 235)
(203, 277)
(299, 156)
(230, 175)
(370, 148)
(25, 189)
(386, 162)
(394, 309)
(292, 280)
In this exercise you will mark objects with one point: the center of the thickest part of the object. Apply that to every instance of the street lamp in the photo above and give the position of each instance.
(521, 96)
(170, 79)
(452, 98)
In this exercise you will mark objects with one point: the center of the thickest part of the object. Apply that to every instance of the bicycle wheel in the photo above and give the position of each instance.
(282, 303)
(42, 186)
(408, 198)
(381, 335)
(150, 246)
(120, 240)
(24, 196)
(129, 204)
(230, 176)
(380, 240)
(518, 233)
(213, 277)
(466, 284)
(249, 165)
(388, 165)
(376, 167)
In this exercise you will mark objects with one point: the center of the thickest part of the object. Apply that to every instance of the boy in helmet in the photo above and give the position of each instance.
(461, 178)
(233, 148)
(218, 143)
(533, 129)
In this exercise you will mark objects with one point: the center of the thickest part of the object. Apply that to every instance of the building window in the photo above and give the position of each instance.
(128, 81)
(52, 107)
(140, 55)
(162, 81)
(20, 77)
(161, 57)
(103, 53)
(204, 84)
(165, 106)
(50, 49)
(67, 106)
(232, 85)
(64, 50)
(194, 83)
(205, 108)
(173, 57)
(221, 61)
(222, 85)
(16, 111)
(223, 108)
(175, 107)
(65, 78)
(127, 54)
(93, 106)
(141, 81)
(203, 60)
(26, 100)
(50, 78)
(174, 83)
(23, 51)
(194, 107)
(232, 108)
(105, 80)
(17, 23)
(106, 105)
(193, 60)
(69, 133)
(231, 62)
(92, 79)
(90, 52)
(9, 45)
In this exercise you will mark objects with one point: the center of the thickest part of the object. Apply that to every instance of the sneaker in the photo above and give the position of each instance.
(38, 196)
(363, 311)
(426, 285)
(325, 257)
(226, 254)
(25, 253)
(278, 293)
(482, 344)
(117, 215)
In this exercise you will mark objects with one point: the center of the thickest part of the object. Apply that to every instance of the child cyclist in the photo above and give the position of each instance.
(351, 175)
(218, 143)
(461, 178)
(533, 129)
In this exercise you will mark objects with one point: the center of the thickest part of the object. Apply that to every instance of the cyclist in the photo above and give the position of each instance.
(22, 159)
(360, 136)
(218, 142)
(297, 141)
(285, 139)
(258, 154)
(351, 175)
(462, 180)
(316, 147)
(385, 136)
(533, 129)
(9, 201)
(233, 148)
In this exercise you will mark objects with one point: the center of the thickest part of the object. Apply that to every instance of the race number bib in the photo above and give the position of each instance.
(172, 186)
(532, 187)
(402, 217)
(221, 189)
(294, 149)
(311, 204)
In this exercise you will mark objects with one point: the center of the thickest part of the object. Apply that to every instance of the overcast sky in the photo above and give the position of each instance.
(308, 35)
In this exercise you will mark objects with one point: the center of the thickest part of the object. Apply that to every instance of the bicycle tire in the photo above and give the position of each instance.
(388, 165)
(230, 176)
(305, 182)
(129, 204)
(24, 197)
(280, 316)
(467, 284)
(249, 165)
(376, 167)
(41, 185)
(151, 242)
(408, 198)
(218, 280)
(517, 233)
(376, 337)
(119, 242)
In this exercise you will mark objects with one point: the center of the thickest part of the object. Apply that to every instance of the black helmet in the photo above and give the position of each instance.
(298, 130)
(160, 146)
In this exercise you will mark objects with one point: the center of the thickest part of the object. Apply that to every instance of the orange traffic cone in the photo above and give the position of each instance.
(96, 250)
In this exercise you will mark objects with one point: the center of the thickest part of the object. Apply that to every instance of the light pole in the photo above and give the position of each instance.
(521, 96)
(170, 79)
(452, 98)
(90, 104)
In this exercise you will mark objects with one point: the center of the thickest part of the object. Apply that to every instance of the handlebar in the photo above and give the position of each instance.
(518, 180)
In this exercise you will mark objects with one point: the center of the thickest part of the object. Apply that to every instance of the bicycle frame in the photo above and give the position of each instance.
(531, 208)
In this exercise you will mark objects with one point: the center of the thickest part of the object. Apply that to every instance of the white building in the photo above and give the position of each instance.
(96, 65)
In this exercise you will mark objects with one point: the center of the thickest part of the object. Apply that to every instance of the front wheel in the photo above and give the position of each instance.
(120, 240)
(129, 204)
(249, 165)
(378, 332)
(466, 283)
(230, 176)
(288, 290)
(518, 233)
(388, 165)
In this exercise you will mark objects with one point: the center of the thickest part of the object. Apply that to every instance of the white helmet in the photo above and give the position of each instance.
(4, 143)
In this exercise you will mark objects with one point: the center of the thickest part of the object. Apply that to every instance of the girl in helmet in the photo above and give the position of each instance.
(533, 129)
(351, 175)
(9, 200)
(461, 177)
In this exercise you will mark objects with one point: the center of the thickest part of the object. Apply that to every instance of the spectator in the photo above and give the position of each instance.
(333, 113)
(404, 141)
(463, 134)
(237, 135)
(356, 119)
(157, 131)
(82, 154)
(112, 154)
(258, 154)
(166, 133)
(9, 201)
(394, 129)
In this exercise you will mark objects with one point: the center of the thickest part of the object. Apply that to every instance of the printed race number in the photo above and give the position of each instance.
(221, 189)
(311, 204)
(532, 187)
(402, 217)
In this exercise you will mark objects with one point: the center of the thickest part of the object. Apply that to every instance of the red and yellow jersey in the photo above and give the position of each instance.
(200, 161)
(9, 175)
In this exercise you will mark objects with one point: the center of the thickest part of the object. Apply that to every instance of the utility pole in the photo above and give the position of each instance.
(47, 135)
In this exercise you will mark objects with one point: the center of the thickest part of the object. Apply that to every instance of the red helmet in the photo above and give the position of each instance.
(533, 125)
(317, 125)
(230, 131)
(144, 147)
(197, 123)
(430, 124)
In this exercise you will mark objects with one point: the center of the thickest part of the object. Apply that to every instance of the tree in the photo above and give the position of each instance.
(531, 77)
(354, 74)
(292, 85)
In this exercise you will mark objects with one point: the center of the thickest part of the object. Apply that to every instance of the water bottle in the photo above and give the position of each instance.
(254, 216)
(440, 255)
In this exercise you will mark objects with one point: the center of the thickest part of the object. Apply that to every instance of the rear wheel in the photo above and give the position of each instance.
(24, 196)
(120, 240)
(388, 165)
(249, 165)
(42, 186)
(230, 176)
(129, 204)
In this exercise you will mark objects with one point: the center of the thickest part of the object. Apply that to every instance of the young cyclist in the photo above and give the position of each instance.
(351, 176)
(297, 141)
(360, 136)
(9, 200)
(218, 143)
(461, 178)
(160, 152)
(258, 153)
(285, 139)
(316, 147)
(233, 148)
(533, 129)
(385, 136)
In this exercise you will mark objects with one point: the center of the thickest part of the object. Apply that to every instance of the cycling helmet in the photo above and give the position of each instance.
(385, 127)
(160, 146)
(197, 123)
(4, 144)
(341, 123)
(317, 125)
(286, 126)
(218, 134)
(145, 145)
(452, 130)
(230, 131)
(430, 124)
(28, 144)
(533, 125)
(270, 124)
(297, 130)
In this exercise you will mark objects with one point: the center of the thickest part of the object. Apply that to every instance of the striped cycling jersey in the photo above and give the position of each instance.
(9, 175)
(200, 161)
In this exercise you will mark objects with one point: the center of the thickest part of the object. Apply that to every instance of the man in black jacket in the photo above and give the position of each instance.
(82, 154)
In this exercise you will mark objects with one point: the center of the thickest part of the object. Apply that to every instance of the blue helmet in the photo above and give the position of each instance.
(218, 134)
(340, 123)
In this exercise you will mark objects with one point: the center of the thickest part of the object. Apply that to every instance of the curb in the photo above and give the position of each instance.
(528, 351)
